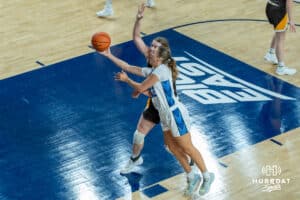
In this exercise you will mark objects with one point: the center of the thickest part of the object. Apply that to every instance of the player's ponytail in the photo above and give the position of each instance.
(173, 67)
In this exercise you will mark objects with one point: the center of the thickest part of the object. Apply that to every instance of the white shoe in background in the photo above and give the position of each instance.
(271, 58)
(150, 3)
(283, 70)
(107, 11)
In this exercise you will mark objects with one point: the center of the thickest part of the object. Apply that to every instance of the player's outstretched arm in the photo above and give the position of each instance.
(138, 41)
(121, 63)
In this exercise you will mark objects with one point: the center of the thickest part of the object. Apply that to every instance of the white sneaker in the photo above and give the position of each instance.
(192, 185)
(271, 58)
(206, 184)
(131, 164)
(105, 12)
(285, 70)
(297, 1)
(150, 3)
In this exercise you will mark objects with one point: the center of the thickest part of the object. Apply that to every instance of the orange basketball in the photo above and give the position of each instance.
(101, 41)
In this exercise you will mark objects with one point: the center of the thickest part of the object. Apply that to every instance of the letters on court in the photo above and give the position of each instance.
(209, 85)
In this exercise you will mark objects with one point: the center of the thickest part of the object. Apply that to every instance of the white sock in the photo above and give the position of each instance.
(272, 51)
(108, 4)
(206, 175)
(280, 64)
(190, 175)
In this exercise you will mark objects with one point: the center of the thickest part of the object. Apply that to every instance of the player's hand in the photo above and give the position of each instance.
(135, 94)
(141, 10)
(105, 52)
(121, 76)
(292, 26)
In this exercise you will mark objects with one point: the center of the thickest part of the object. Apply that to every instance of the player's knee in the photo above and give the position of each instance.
(138, 137)
(188, 150)
(142, 127)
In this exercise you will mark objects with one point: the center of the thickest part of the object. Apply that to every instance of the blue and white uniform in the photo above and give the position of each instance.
(173, 115)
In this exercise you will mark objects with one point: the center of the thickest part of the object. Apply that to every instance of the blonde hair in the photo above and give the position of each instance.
(165, 54)
(163, 41)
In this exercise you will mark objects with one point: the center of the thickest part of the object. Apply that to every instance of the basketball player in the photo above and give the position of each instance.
(279, 13)
(108, 8)
(150, 117)
(173, 115)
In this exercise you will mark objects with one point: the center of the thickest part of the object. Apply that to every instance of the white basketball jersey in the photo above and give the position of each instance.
(172, 113)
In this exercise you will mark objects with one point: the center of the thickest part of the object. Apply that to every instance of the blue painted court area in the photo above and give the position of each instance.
(66, 129)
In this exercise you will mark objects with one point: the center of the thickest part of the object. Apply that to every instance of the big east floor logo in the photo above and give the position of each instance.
(209, 85)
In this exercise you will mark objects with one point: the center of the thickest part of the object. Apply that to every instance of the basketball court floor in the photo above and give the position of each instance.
(66, 125)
